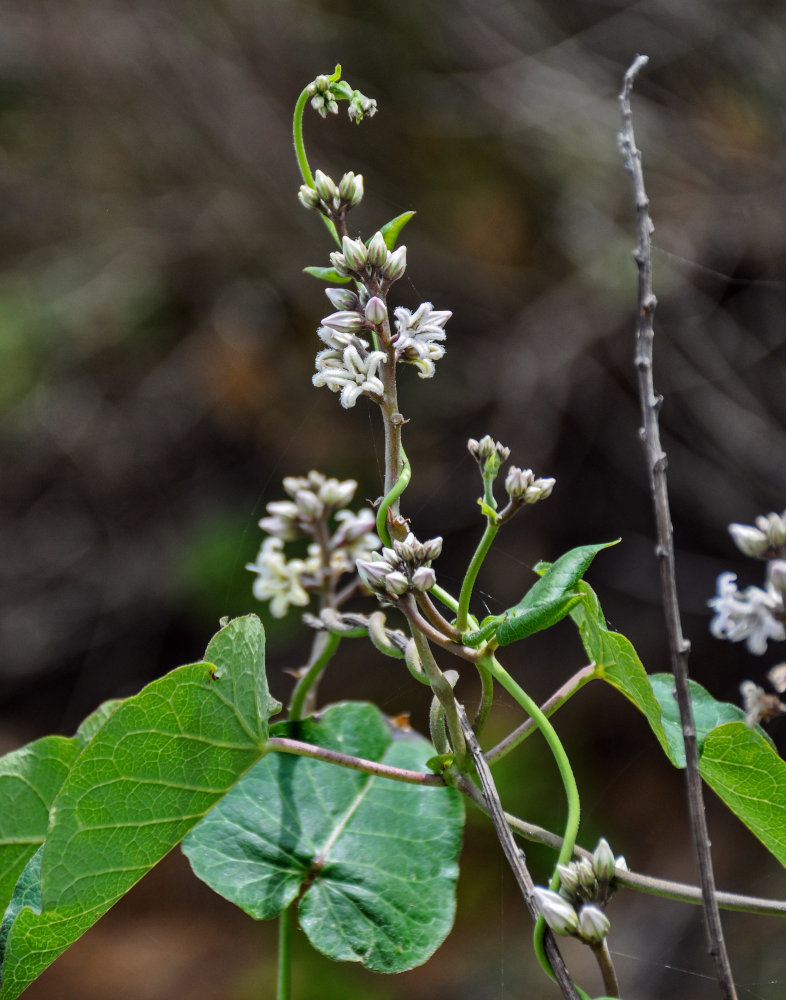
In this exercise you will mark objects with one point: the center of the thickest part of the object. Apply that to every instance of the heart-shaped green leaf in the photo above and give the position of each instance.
(159, 762)
(373, 862)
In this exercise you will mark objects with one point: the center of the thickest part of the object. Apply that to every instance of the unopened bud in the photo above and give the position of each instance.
(377, 250)
(776, 575)
(326, 187)
(593, 924)
(309, 505)
(342, 298)
(432, 548)
(337, 493)
(557, 911)
(568, 878)
(355, 253)
(375, 311)
(346, 321)
(396, 583)
(518, 481)
(372, 574)
(308, 196)
(749, 540)
(395, 265)
(339, 262)
(586, 874)
(603, 861)
(424, 578)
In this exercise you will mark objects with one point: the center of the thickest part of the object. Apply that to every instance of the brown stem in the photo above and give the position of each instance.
(656, 463)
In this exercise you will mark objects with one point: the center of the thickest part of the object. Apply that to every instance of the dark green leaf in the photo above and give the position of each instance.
(390, 231)
(30, 779)
(374, 859)
(160, 761)
(707, 714)
(328, 274)
(551, 597)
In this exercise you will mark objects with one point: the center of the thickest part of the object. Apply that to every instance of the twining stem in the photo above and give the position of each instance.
(568, 781)
(300, 148)
(328, 641)
(472, 572)
(679, 647)
(286, 922)
(394, 454)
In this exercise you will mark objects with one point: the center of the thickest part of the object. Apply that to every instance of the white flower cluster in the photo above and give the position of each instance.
(315, 503)
(419, 335)
(400, 569)
(764, 539)
(753, 615)
(586, 887)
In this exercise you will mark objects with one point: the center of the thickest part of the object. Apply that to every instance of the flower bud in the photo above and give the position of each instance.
(518, 481)
(557, 911)
(593, 924)
(603, 861)
(355, 253)
(776, 575)
(346, 321)
(424, 578)
(749, 540)
(377, 250)
(569, 879)
(395, 265)
(396, 583)
(432, 548)
(372, 574)
(586, 874)
(309, 506)
(375, 311)
(342, 298)
(308, 196)
(326, 187)
(337, 493)
(339, 262)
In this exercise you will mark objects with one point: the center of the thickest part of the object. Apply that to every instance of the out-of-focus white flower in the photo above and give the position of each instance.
(350, 373)
(746, 615)
(418, 336)
(279, 580)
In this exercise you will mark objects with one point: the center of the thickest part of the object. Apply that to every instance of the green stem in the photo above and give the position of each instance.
(486, 699)
(568, 781)
(471, 575)
(286, 922)
(390, 498)
(548, 708)
(311, 676)
(300, 149)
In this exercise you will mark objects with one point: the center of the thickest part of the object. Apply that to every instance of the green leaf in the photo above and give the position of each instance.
(160, 761)
(391, 230)
(551, 597)
(617, 662)
(30, 779)
(95, 721)
(707, 714)
(742, 768)
(328, 274)
(373, 862)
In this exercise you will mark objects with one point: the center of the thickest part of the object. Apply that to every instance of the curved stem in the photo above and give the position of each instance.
(392, 496)
(300, 149)
(568, 781)
(486, 699)
(283, 744)
(329, 642)
(472, 572)
(548, 708)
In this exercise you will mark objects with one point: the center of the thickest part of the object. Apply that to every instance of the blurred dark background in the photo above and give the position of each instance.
(156, 351)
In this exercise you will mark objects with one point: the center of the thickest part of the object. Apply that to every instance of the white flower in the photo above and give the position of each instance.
(350, 373)
(746, 615)
(278, 580)
(418, 336)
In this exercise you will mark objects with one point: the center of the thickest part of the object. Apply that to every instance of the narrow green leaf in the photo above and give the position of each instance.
(328, 274)
(30, 779)
(551, 597)
(745, 771)
(617, 662)
(372, 861)
(161, 760)
(391, 230)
